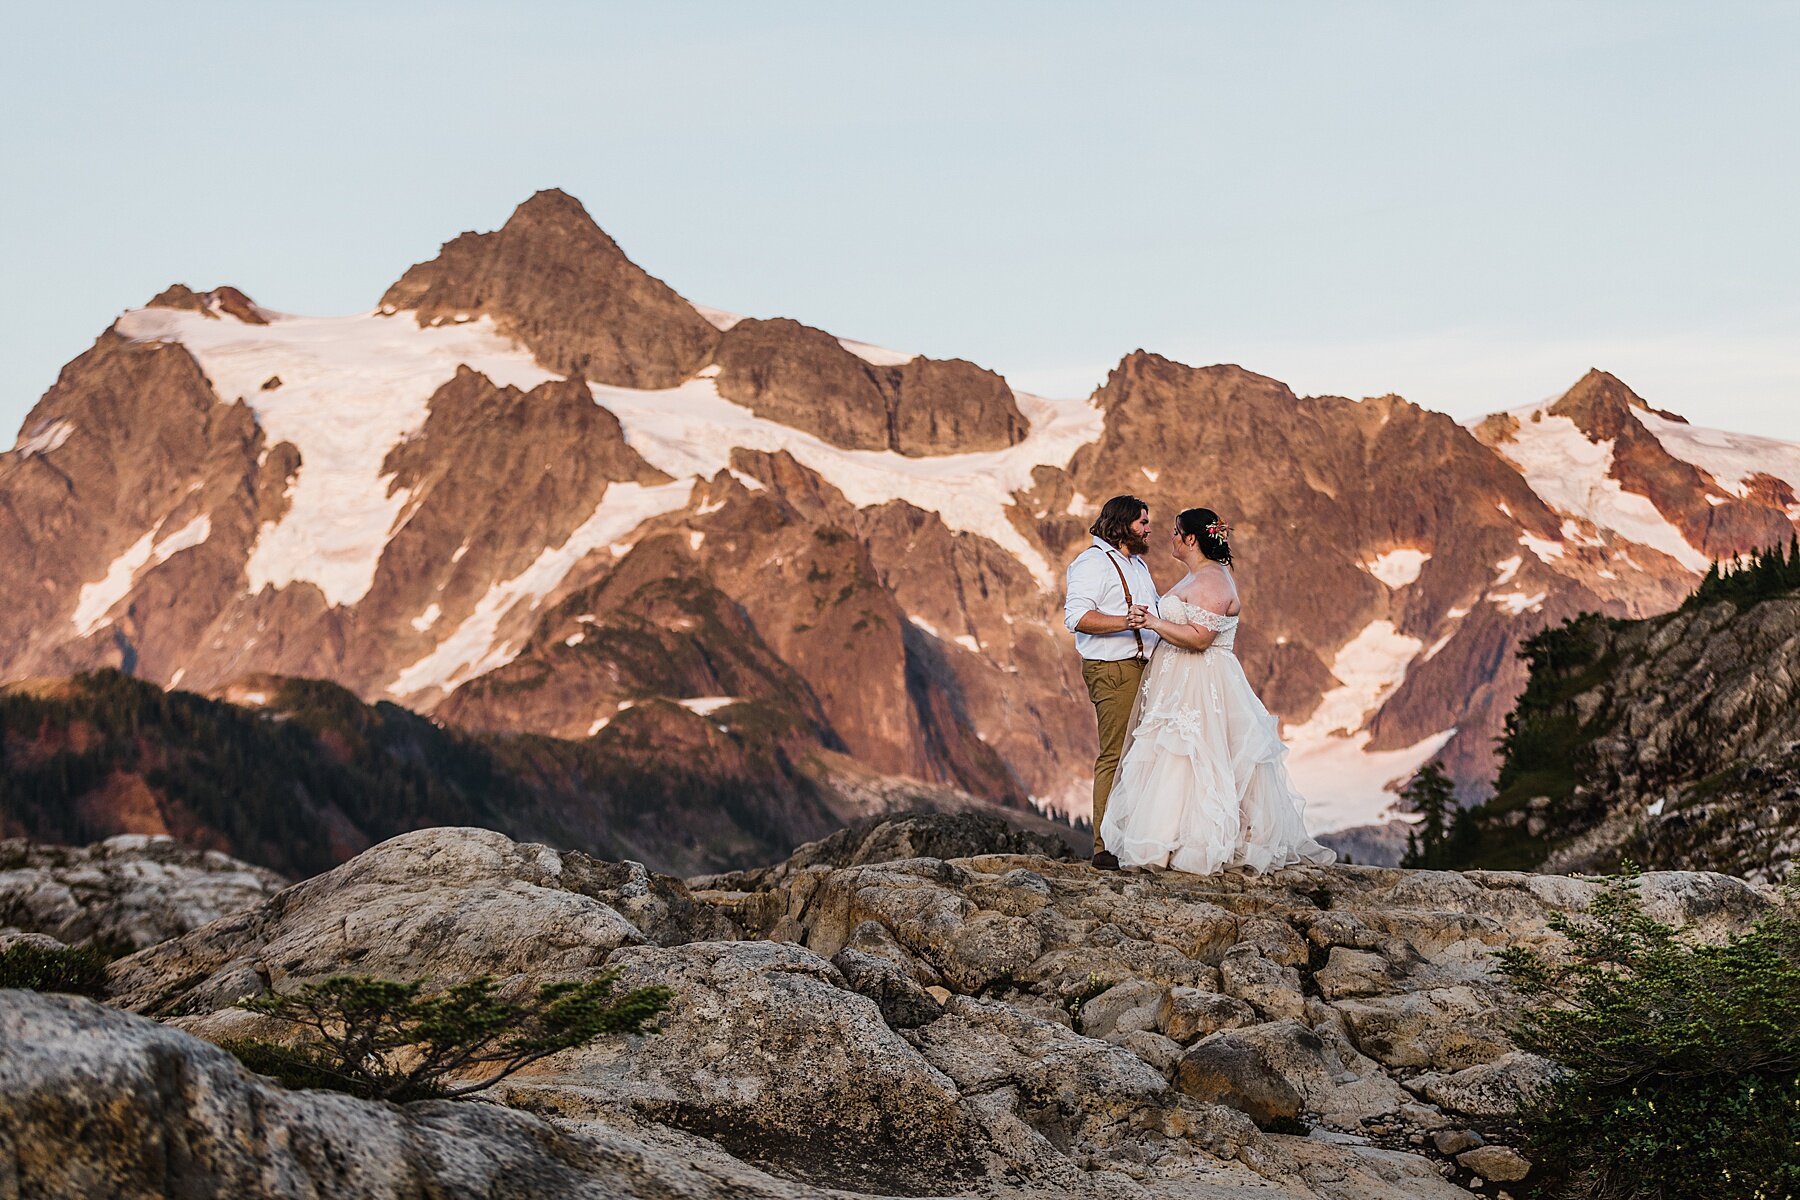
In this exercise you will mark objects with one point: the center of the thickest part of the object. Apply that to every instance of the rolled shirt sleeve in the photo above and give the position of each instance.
(1088, 577)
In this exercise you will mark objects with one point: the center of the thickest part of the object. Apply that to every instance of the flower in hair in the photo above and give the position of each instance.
(1219, 529)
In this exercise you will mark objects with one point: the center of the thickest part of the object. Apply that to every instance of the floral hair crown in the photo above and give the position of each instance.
(1219, 529)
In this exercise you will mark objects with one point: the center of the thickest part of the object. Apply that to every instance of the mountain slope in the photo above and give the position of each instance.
(1601, 455)
(1670, 741)
(427, 503)
(298, 775)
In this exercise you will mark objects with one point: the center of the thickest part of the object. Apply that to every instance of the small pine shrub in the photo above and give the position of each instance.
(1683, 1058)
(35, 968)
(1430, 794)
(384, 1040)
(305, 1066)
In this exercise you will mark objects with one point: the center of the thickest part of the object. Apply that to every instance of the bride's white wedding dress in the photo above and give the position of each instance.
(1202, 783)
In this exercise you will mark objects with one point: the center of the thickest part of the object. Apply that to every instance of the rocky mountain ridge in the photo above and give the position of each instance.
(848, 1022)
(1671, 742)
(462, 501)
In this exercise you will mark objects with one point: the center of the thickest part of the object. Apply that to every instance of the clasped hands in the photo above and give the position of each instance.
(1136, 616)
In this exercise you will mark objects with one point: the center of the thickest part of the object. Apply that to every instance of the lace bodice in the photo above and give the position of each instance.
(1173, 608)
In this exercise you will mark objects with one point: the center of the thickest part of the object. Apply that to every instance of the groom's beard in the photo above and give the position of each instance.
(1134, 545)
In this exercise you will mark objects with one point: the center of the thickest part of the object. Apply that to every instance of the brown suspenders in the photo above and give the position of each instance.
(1136, 634)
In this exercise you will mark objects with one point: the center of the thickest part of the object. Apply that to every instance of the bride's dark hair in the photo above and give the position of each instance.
(1204, 525)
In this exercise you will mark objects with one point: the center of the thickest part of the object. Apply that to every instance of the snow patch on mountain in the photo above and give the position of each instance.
(45, 438)
(1730, 458)
(691, 430)
(1344, 782)
(880, 356)
(1574, 476)
(1517, 602)
(191, 534)
(717, 317)
(1573, 532)
(1545, 550)
(601, 722)
(476, 646)
(352, 388)
(96, 599)
(1397, 568)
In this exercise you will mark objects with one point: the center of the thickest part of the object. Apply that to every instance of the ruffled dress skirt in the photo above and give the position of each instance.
(1202, 781)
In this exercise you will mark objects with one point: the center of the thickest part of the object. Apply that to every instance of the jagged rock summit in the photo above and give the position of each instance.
(998, 1024)
(858, 399)
(1719, 500)
(553, 279)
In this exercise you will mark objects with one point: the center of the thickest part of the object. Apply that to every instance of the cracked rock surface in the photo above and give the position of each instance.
(994, 1024)
(129, 891)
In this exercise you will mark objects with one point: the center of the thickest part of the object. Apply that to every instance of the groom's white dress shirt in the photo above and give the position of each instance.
(1094, 587)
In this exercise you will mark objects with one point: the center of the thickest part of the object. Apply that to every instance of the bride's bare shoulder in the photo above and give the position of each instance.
(1210, 587)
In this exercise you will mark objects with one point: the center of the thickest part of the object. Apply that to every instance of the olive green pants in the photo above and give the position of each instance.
(1112, 686)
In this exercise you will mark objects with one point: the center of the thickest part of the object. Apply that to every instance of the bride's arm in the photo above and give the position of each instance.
(1188, 637)
(1211, 595)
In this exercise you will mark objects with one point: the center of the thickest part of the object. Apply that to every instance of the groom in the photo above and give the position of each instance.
(1110, 594)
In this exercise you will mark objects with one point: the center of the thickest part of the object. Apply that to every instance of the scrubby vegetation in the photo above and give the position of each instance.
(37, 968)
(1541, 753)
(384, 1040)
(1683, 1057)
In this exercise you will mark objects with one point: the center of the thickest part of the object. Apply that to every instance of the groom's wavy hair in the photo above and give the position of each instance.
(1199, 523)
(1116, 516)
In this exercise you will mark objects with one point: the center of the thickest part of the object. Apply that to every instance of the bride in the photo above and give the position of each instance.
(1201, 782)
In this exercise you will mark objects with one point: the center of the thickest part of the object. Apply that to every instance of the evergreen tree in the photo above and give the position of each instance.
(1752, 576)
(1430, 794)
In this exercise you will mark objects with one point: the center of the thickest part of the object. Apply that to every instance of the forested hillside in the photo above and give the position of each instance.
(305, 775)
(1672, 742)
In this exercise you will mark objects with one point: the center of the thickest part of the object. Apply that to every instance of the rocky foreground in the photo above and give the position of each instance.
(124, 893)
(899, 1011)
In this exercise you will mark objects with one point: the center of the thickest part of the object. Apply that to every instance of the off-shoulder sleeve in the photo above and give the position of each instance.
(1206, 618)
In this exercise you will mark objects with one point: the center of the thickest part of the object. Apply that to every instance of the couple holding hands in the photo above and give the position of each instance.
(1190, 775)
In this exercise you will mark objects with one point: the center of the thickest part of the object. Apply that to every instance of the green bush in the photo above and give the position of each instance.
(308, 1067)
(71, 969)
(1683, 1057)
(384, 1040)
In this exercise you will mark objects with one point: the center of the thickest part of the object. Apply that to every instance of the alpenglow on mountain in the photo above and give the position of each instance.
(533, 489)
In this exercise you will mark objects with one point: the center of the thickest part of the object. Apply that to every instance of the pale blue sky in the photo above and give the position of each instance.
(1466, 203)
